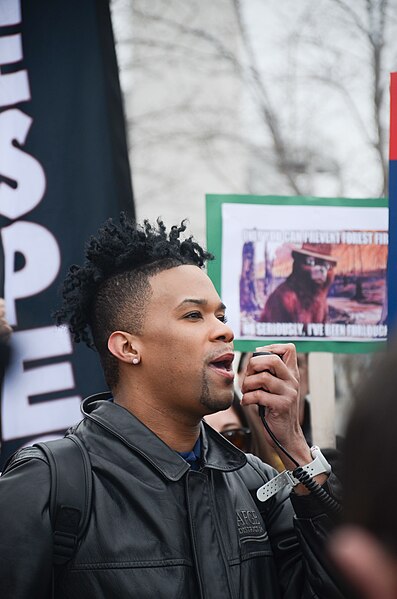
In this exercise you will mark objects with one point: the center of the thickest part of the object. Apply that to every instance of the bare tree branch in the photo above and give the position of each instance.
(269, 115)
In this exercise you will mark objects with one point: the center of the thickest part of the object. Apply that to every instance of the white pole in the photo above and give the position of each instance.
(322, 394)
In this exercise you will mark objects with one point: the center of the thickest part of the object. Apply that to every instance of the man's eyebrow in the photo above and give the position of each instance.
(199, 302)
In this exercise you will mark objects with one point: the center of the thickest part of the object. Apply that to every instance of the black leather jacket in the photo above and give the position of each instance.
(158, 529)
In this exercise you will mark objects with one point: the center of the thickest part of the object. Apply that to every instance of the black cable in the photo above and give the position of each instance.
(317, 490)
(304, 477)
(273, 436)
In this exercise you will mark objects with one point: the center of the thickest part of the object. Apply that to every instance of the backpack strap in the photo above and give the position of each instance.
(70, 496)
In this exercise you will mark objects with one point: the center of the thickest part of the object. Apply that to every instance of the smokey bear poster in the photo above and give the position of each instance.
(307, 270)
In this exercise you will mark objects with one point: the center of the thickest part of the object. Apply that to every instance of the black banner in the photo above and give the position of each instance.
(63, 170)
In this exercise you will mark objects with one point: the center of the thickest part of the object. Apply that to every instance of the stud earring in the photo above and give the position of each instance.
(135, 361)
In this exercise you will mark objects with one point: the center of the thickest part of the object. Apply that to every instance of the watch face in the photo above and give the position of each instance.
(317, 455)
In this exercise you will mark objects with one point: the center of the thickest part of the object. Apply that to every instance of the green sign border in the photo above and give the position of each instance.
(214, 204)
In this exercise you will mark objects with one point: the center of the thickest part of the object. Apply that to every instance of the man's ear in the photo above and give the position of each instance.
(124, 347)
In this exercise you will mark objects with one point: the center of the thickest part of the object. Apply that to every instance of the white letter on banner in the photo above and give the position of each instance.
(10, 12)
(42, 261)
(19, 417)
(14, 87)
(19, 166)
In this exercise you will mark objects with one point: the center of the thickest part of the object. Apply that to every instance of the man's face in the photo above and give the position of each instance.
(187, 349)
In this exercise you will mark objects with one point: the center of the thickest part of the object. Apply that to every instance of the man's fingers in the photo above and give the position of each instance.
(285, 351)
(265, 389)
(272, 363)
(263, 380)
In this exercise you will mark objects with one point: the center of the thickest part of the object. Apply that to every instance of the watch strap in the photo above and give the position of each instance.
(275, 484)
(319, 465)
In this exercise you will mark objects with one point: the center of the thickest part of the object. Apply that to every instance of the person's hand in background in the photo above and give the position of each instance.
(5, 329)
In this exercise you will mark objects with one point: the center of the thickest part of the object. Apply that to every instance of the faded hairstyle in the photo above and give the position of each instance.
(110, 291)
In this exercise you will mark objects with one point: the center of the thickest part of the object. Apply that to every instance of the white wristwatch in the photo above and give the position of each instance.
(319, 465)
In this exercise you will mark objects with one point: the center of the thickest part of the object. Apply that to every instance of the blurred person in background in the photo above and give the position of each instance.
(5, 334)
(233, 425)
(365, 547)
(5, 329)
(5, 349)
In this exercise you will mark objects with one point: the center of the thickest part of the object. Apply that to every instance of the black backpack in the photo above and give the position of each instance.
(70, 495)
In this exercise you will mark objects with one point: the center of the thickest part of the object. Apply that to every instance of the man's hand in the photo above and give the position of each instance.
(273, 381)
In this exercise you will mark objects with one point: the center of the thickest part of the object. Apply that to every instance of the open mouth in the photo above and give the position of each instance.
(223, 365)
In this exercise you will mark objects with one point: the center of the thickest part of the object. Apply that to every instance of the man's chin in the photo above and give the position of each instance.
(217, 404)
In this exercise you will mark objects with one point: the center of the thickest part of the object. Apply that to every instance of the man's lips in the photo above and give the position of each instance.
(223, 365)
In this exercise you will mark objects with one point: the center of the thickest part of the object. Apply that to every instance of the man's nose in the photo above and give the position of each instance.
(223, 332)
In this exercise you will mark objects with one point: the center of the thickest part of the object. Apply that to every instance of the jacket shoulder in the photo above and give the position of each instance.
(255, 473)
(24, 455)
(26, 556)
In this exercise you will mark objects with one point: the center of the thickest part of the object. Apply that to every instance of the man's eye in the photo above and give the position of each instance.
(193, 315)
(223, 318)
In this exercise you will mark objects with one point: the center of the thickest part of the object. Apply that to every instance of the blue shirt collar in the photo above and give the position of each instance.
(193, 457)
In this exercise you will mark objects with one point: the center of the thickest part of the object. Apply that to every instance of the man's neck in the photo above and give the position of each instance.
(177, 430)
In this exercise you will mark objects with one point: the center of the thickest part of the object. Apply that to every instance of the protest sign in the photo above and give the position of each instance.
(307, 270)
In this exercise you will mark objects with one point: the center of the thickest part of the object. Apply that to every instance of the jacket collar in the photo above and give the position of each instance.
(217, 452)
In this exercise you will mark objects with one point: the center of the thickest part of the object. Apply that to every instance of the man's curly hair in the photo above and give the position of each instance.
(110, 291)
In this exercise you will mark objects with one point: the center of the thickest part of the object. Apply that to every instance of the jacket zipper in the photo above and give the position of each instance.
(193, 537)
(218, 531)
